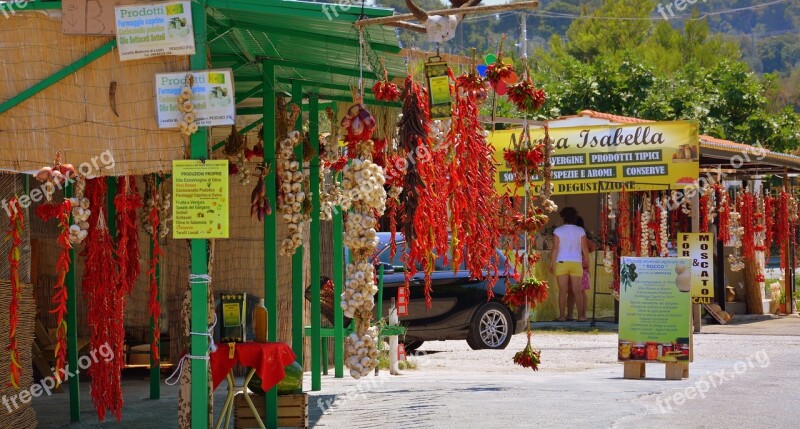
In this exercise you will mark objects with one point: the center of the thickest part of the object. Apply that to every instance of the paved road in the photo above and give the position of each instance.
(580, 385)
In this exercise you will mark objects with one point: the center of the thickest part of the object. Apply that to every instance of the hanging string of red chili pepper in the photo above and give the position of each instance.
(769, 224)
(782, 226)
(60, 212)
(126, 202)
(724, 213)
(746, 204)
(704, 212)
(16, 226)
(153, 304)
(623, 223)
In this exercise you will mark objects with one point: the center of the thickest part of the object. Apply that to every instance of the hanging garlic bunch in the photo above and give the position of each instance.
(438, 132)
(360, 232)
(609, 202)
(708, 192)
(363, 182)
(293, 195)
(686, 206)
(547, 174)
(79, 230)
(644, 240)
(663, 233)
(608, 260)
(362, 352)
(394, 192)
(793, 210)
(736, 233)
(160, 200)
(359, 289)
(243, 173)
(188, 126)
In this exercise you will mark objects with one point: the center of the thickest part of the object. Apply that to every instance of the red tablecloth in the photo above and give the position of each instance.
(268, 359)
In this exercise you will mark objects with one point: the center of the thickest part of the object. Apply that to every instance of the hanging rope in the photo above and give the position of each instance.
(212, 346)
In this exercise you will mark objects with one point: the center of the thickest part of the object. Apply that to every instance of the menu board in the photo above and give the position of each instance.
(212, 98)
(200, 199)
(655, 310)
(699, 247)
(150, 30)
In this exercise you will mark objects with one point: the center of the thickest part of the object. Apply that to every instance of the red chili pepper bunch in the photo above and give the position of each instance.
(623, 223)
(531, 222)
(723, 213)
(500, 72)
(704, 213)
(386, 91)
(782, 225)
(747, 205)
(524, 161)
(473, 85)
(530, 291)
(413, 134)
(61, 212)
(526, 97)
(474, 203)
(528, 357)
(16, 226)
(126, 203)
(105, 304)
(256, 152)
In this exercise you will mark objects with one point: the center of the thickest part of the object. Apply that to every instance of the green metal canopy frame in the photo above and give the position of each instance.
(308, 50)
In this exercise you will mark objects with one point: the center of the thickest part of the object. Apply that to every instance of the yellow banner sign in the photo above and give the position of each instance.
(698, 247)
(200, 199)
(646, 156)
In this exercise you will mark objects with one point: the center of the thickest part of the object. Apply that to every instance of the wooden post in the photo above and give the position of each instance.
(787, 273)
(634, 370)
(697, 323)
(270, 230)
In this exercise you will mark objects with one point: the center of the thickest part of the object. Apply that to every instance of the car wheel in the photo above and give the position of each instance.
(491, 327)
(412, 346)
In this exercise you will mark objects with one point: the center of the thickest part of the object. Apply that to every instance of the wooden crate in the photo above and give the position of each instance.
(292, 411)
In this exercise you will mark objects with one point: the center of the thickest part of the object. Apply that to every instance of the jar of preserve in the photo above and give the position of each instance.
(637, 352)
(624, 350)
(685, 349)
(666, 349)
(651, 351)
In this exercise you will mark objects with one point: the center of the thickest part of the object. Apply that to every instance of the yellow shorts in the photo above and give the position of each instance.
(571, 268)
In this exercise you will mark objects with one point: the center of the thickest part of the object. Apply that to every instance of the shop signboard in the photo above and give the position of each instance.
(699, 248)
(212, 98)
(588, 159)
(151, 30)
(200, 199)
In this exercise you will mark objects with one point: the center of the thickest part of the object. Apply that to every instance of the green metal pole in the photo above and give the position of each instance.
(199, 253)
(72, 331)
(316, 322)
(270, 231)
(155, 364)
(111, 186)
(338, 284)
(298, 285)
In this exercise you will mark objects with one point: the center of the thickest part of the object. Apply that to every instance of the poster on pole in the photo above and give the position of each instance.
(655, 310)
(151, 30)
(699, 247)
(200, 199)
(588, 159)
(212, 98)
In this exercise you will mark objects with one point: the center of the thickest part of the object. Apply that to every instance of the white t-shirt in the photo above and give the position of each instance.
(569, 243)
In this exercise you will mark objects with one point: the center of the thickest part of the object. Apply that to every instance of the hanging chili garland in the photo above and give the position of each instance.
(16, 226)
(724, 212)
(154, 306)
(782, 226)
(769, 224)
(126, 202)
(61, 213)
(623, 223)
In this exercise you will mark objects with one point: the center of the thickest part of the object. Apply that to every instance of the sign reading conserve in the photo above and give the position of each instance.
(212, 99)
(200, 199)
(152, 30)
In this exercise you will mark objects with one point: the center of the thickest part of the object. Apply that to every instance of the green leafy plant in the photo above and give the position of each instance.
(628, 275)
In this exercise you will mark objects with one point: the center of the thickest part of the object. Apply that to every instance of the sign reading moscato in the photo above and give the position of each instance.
(605, 158)
(698, 247)
(154, 29)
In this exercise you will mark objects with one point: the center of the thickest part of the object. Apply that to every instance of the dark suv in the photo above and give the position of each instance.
(459, 310)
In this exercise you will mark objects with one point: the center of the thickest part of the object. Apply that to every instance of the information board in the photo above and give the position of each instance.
(151, 30)
(200, 199)
(699, 246)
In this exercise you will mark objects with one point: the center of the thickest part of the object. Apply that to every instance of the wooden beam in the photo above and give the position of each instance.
(410, 26)
(446, 12)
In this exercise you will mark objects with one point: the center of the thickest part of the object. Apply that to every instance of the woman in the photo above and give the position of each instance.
(569, 257)
(585, 285)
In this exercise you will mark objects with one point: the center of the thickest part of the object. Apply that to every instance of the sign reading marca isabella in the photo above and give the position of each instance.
(589, 159)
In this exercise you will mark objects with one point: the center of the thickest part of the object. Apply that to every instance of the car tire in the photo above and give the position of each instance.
(491, 327)
(412, 346)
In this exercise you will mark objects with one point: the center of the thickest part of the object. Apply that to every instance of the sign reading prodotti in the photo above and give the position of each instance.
(655, 309)
(646, 156)
(200, 199)
(152, 30)
(698, 247)
(213, 98)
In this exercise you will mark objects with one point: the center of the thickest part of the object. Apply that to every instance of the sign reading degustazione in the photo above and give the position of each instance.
(200, 199)
(588, 159)
(152, 30)
(699, 247)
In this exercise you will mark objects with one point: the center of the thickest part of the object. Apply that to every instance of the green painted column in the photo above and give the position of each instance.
(338, 284)
(72, 331)
(270, 230)
(316, 312)
(155, 365)
(199, 254)
(298, 285)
